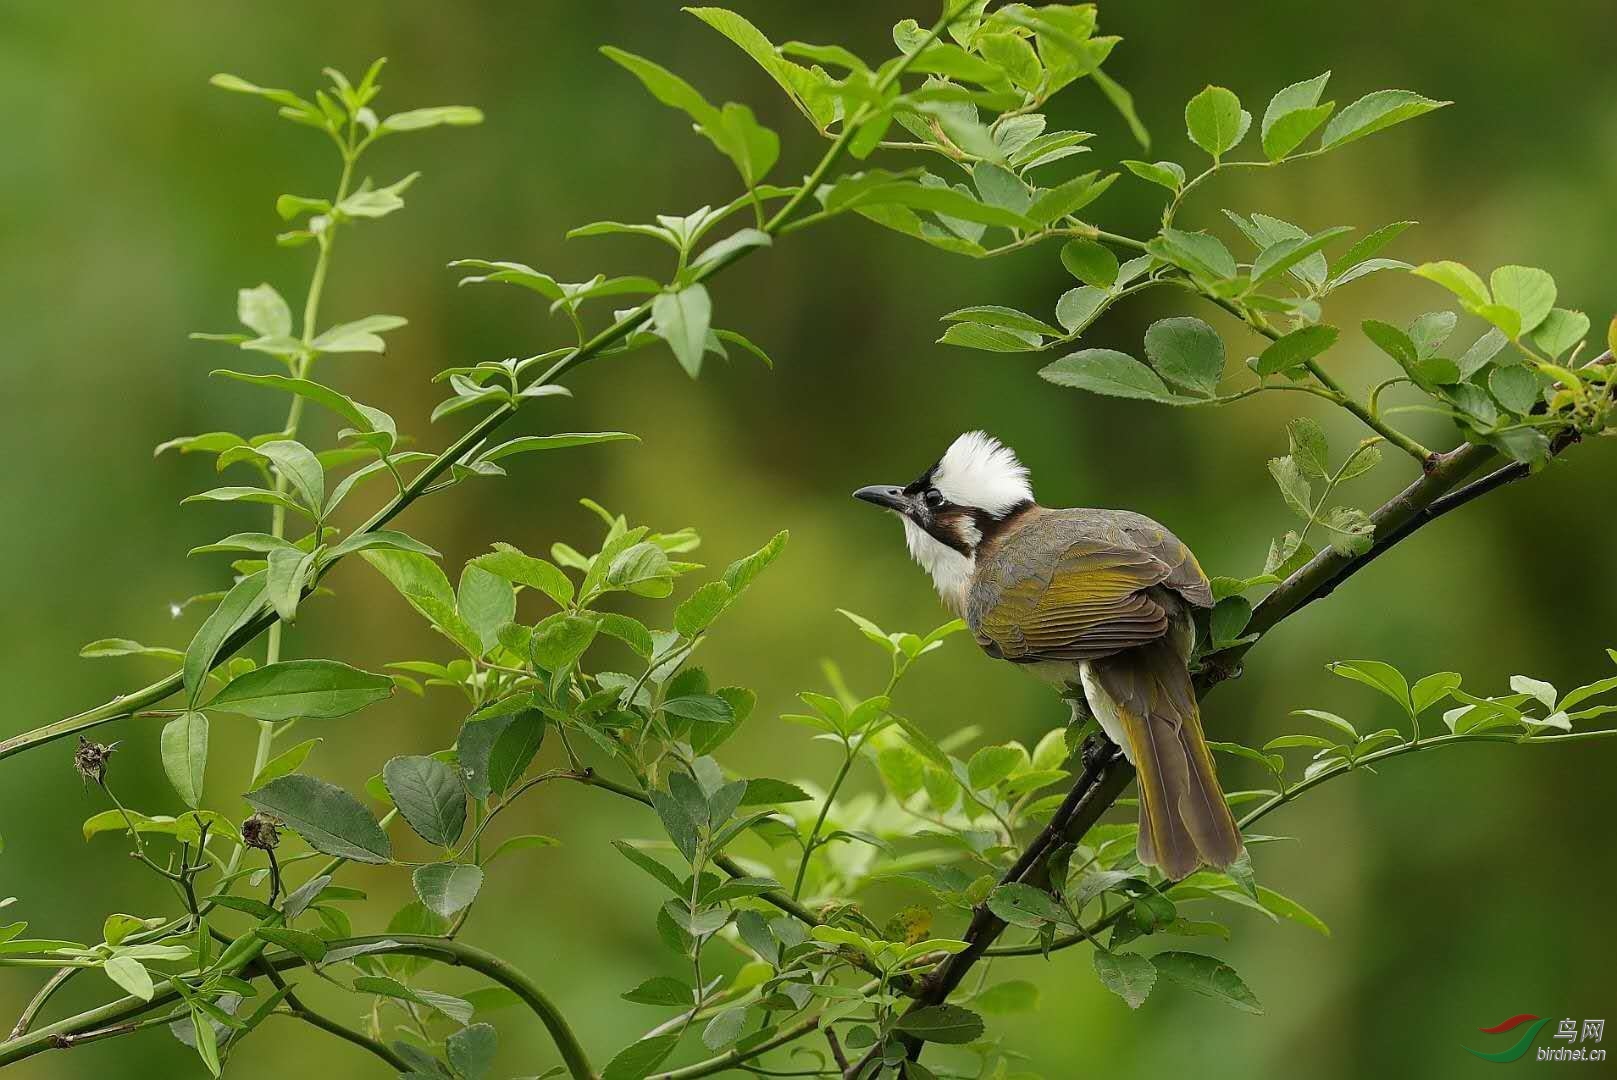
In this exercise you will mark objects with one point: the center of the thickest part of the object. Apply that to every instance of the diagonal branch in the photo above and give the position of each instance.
(1438, 491)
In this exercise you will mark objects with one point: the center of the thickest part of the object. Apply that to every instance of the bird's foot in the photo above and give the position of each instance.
(1097, 750)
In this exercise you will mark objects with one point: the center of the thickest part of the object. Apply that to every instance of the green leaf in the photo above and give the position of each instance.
(446, 888)
(1382, 676)
(941, 1024)
(1292, 116)
(1091, 262)
(520, 843)
(1207, 975)
(1123, 102)
(124, 647)
(318, 689)
(1375, 112)
(1560, 330)
(806, 88)
(744, 571)
(378, 538)
(358, 336)
(1284, 254)
(286, 571)
(299, 467)
(206, 1039)
(1168, 174)
(945, 201)
(262, 309)
(429, 795)
(1106, 371)
(1516, 388)
(1216, 121)
(1528, 291)
(707, 708)
(1187, 352)
(1309, 448)
(697, 612)
(1294, 487)
(1296, 348)
(487, 602)
(992, 764)
(1288, 908)
(376, 202)
(976, 335)
(130, 974)
(528, 443)
(1199, 252)
(236, 610)
(419, 580)
(1002, 317)
(1128, 975)
(184, 747)
(497, 744)
(682, 320)
(1052, 205)
(1457, 279)
(328, 818)
(1079, 307)
(640, 1059)
(512, 565)
(471, 1051)
(1023, 905)
(561, 639)
(417, 119)
(285, 763)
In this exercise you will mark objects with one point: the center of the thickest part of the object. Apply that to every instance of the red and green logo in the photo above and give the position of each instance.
(1522, 1045)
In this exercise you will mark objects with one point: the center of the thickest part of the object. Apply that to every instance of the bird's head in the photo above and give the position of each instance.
(952, 507)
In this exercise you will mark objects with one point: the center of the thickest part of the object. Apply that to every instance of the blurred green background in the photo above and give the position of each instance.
(1462, 888)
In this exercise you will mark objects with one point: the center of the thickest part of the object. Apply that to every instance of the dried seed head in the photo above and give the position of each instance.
(261, 831)
(90, 759)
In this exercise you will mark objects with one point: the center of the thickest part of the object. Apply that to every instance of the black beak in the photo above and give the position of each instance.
(885, 496)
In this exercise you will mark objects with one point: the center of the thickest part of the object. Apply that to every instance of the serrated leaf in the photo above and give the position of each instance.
(328, 818)
(429, 795)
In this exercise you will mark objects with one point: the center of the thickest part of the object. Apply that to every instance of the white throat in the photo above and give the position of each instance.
(951, 571)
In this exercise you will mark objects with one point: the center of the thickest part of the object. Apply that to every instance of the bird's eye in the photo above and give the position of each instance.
(933, 498)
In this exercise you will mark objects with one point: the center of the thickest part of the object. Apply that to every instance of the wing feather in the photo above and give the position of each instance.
(1079, 585)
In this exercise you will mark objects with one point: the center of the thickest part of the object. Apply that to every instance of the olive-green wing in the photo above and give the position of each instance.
(1087, 599)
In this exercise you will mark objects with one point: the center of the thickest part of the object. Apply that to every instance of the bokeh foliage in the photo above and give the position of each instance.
(783, 448)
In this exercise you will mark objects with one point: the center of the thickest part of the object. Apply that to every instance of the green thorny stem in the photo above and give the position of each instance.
(126, 704)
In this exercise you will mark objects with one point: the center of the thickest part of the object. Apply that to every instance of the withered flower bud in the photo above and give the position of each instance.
(90, 759)
(261, 831)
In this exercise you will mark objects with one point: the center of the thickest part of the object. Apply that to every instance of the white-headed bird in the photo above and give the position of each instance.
(1097, 602)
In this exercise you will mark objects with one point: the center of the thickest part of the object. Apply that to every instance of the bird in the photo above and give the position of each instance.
(1100, 603)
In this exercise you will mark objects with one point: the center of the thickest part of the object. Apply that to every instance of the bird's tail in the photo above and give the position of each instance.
(1147, 704)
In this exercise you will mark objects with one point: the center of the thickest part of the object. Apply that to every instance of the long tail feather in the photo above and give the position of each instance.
(1147, 696)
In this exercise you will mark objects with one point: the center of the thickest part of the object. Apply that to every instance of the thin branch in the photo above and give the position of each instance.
(444, 951)
(302, 1012)
(37, 1002)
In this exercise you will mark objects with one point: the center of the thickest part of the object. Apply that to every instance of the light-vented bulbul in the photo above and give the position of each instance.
(1098, 602)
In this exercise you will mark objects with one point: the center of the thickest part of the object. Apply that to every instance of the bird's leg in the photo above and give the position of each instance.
(1096, 747)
